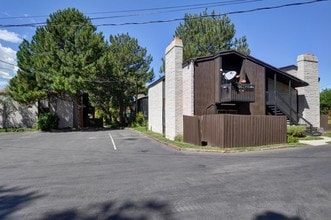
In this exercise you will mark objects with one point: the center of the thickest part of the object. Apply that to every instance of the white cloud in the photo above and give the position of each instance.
(7, 71)
(10, 36)
(3, 84)
(4, 75)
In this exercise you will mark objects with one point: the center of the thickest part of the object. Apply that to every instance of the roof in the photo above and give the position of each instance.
(3, 91)
(290, 67)
(156, 81)
(296, 82)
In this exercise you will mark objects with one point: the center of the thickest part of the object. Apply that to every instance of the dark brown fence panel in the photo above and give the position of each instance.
(324, 123)
(212, 130)
(192, 131)
(242, 130)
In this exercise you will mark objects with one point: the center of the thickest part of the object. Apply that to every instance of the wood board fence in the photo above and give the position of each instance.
(325, 123)
(226, 130)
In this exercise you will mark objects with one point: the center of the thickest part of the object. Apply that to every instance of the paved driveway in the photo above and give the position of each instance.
(120, 174)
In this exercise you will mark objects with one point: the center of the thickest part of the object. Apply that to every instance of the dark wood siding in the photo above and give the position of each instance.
(217, 80)
(256, 75)
(207, 84)
(204, 88)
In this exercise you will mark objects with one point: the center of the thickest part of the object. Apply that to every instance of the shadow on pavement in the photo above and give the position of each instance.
(269, 215)
(13, 199)
(87, 129)
(129, 210)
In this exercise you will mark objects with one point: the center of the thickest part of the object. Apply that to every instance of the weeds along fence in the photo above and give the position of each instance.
(226, 130)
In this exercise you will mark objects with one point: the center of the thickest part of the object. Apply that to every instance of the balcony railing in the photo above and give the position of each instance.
(237, 93)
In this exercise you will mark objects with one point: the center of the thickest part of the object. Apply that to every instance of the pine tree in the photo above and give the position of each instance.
(61, 59)
(126, 70)
(208, 34)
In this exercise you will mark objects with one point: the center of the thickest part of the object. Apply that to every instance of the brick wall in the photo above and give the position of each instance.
(308, 71)
(23, 116)
(173, 89)
(155, 94)
(188, 89)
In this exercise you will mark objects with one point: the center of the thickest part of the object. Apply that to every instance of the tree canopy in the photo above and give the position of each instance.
(24, 87)
(59, 59)
(126, 69)
(207, 34)
(68, 57)
(325, 101)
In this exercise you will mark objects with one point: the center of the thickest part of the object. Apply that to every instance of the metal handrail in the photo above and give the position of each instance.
(310, 124)
(300, 116)
(291, 109)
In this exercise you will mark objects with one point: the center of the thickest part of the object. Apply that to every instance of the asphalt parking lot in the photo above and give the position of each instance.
(120, 174)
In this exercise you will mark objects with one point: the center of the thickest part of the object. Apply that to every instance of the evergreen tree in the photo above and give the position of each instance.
(61, 59)
(24, 87)
(208, 34)
(126, 70)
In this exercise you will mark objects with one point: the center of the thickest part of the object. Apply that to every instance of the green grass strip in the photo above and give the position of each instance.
(16, 129)
(186, 146)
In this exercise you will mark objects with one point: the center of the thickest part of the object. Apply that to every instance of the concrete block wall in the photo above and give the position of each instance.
(174, 89)
(155, 95)
(23, 116)
(188, 89)
(308, 72)
(65, 112)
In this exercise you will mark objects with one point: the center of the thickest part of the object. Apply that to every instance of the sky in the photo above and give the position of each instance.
(275, 36)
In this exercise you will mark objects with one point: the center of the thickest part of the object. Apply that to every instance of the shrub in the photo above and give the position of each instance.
(296, 131)
(179, 138)
(47, 121)
(292, 139)
(139, 120)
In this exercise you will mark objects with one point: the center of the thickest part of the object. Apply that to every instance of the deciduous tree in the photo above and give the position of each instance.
(325, 101)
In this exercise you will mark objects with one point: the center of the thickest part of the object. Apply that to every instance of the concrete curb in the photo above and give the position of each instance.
(220, 150)
(317, 142)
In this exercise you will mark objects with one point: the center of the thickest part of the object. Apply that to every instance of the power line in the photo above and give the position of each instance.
(186, 7)
(172, 9)
(1, 68)
(2, 61)
(228, 13)
(175, 8)
(176, 19)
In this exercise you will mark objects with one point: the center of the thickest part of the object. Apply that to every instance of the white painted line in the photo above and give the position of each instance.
(112, 140)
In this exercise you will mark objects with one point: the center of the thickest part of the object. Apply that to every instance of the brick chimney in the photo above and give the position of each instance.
(309, 96)
(174, 89)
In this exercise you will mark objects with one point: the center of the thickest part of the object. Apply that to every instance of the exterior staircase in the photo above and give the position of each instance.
(276, 111)
(293, 117)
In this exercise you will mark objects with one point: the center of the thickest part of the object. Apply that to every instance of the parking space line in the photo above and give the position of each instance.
(112, 140)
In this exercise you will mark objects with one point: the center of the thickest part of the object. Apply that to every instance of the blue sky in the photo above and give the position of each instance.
(275, 36)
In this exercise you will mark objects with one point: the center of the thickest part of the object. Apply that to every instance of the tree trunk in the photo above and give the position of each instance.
(80, 114)
(122, 112)
(79, 111)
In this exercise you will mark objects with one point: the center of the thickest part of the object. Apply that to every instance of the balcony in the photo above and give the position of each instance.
(237, 92)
